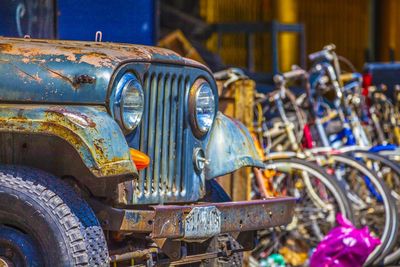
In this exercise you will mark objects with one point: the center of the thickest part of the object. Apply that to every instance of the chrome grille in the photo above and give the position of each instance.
(162, 138)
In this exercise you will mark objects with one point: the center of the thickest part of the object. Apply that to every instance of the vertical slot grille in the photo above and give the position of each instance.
(162, 138)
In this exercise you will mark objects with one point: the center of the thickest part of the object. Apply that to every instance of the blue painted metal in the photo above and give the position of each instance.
(90, 130)
(44, 70)
(372, 189)
(380, 148)
(345, 134)
(230, 148)
(126, 21)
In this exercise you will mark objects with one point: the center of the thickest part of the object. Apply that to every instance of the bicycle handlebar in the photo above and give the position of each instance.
(350, 76)
(293, 74)
(290, 75)
(324, 53)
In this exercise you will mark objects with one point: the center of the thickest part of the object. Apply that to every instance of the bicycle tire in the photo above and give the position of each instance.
(330, 191)
(394, 256)
(327, 179)
(390, 228)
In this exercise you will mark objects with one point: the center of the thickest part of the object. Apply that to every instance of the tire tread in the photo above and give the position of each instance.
(85, 237)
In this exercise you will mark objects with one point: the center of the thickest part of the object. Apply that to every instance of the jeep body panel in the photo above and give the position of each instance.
(89, 129)
(54, 71)
(230, 147)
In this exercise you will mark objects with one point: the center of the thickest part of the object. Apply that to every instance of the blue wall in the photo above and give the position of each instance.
(129, 21)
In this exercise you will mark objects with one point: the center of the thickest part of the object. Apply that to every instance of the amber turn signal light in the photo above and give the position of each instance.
(140, 159)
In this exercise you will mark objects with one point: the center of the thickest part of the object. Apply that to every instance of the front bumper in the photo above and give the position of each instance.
(168, 221)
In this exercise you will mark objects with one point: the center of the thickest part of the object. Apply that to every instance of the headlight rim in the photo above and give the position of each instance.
(194, 91)
(118, 110)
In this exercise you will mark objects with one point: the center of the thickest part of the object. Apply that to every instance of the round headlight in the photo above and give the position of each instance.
(203, 107)
(129, 100)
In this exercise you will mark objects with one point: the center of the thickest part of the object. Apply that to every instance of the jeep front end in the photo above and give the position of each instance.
(85, 112)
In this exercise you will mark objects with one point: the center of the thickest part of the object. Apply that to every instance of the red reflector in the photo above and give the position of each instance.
(367, 82)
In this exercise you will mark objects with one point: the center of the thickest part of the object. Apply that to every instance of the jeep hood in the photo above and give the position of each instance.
(54, 71)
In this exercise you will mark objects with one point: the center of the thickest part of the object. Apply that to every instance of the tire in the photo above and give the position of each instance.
(389, 234)
(57, 221)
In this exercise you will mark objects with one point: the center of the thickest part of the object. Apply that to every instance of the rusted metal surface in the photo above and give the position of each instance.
(171, 248)
(196, 258)
(52, 70)
(202, 221)
(254, 215)
(235, 216)
(89, 129)
(114, 219)
(168, 221)
(139, 254)
(230, 147)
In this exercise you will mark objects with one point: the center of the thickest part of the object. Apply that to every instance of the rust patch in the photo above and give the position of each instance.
(25, 60)
(97, 54)
(75, 50)
(5, 47)
(67, 125)
(100, 150)
(96, 59)
(33, 51)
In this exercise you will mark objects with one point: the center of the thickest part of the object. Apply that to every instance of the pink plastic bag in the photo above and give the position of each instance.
(344, 246)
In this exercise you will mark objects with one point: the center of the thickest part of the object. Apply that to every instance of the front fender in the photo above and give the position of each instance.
(88, 129)
(229, 148)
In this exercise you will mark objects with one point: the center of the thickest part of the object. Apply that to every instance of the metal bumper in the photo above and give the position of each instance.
(168, 221)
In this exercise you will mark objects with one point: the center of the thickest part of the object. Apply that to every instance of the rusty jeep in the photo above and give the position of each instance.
(108, 155)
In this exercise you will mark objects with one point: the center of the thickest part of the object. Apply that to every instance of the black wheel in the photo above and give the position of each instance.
(44, 222)
(18, 249)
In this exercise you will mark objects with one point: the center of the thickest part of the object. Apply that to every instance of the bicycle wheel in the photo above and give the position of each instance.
(371, 200)
(389, 171)
(319, 199)
(386, 169)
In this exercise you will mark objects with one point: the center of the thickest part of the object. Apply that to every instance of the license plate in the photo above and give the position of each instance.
(202, 223)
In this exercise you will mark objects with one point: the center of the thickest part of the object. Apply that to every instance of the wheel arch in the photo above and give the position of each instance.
(79, 141)
(53, 155)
